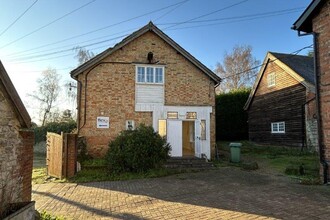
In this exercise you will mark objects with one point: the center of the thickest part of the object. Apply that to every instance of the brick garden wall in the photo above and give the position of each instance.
(16, 155)
(111, 90)
(321, 26)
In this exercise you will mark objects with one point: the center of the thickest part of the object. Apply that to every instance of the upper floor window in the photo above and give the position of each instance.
(278, 127)
(150, 74)
(271, 79)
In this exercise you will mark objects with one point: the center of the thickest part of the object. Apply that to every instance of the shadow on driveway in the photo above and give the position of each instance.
(220, 194)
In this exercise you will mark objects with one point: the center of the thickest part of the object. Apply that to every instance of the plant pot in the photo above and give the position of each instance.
(21, 210)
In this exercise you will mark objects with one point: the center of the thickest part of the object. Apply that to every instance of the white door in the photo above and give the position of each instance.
(174, 137)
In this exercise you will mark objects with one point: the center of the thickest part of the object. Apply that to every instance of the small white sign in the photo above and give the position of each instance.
(102, 122)
(130, 125)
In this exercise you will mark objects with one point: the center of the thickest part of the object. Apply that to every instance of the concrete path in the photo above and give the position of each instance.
(227, 193)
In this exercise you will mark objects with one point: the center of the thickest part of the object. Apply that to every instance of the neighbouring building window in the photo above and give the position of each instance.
(271, 79)
(162, 127)
(191, 115)
(278, 127)
(150, 74)
(203, 129)
(172, 115)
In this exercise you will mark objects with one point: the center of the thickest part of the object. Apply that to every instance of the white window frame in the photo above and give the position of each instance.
(271, 79)
(275, 127)
(154, 68)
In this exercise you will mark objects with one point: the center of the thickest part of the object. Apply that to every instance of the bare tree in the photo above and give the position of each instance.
(48, 92)
(83, 55)
(237, 70)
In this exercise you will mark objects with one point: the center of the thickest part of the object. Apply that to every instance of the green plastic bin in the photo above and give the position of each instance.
(235, 152)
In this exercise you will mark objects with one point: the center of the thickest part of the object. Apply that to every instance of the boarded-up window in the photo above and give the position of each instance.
(203, 129)
(172, 115)
(162, 127)
(191, 115)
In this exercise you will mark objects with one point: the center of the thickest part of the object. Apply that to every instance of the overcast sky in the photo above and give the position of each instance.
(37, 34)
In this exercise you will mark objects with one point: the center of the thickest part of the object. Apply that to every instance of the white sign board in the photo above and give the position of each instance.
(102, 122)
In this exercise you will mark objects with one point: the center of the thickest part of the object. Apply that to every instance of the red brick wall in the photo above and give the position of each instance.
(111, 90)
(25, 161)
(321, 26)
(71, 154)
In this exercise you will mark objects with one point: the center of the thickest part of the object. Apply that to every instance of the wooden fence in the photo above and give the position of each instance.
(61, 155)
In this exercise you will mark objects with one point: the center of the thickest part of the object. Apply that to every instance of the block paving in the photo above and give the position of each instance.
(225, 193)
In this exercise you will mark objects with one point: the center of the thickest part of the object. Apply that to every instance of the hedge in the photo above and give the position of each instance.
(231, 119)
(55, 127)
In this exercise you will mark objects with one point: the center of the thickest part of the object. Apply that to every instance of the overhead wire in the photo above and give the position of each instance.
(207, 14)
(19, 17)
(263, 64)
(66, 50)
(112, 25)
(235, 21)
(170, 11)
(46, 25)
(26, 52)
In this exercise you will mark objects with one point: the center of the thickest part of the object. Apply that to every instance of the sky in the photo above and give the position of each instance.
(38, 34)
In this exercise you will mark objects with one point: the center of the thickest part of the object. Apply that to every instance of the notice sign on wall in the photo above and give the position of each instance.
(102, 122)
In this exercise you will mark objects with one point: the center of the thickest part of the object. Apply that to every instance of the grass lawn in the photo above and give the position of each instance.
(95, 170)
(285, 160)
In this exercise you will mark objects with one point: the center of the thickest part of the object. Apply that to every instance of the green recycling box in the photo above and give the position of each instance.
(235, 152)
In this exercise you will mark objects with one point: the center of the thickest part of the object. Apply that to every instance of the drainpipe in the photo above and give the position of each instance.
(318, 110)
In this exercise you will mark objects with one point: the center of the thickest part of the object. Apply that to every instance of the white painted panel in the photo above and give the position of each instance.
(149, 94)
(198, 147)
(174, 137)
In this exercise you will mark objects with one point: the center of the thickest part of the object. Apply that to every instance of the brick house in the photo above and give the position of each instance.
(16, 145)
(315, 20)
(281, 105)
(147, 78)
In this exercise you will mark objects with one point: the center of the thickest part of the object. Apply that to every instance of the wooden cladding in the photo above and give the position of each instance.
(282, 105)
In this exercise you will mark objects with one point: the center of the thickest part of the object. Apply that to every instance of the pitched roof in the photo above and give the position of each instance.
(149, 27)
(299, 67)
(304, 22)
(20, 110)
(302, 65)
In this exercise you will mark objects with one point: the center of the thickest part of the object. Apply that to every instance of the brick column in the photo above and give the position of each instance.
(25, 162)
(71, 154)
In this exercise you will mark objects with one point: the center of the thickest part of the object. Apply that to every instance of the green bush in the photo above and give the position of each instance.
(55, 127)
(137, 151)
(231, 119)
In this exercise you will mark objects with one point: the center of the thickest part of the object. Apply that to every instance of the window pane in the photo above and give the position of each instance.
(140, 74)
(159, 75)
(162, 127)
(150, 74)
(203, 129)
(281, 126)
(274, 127)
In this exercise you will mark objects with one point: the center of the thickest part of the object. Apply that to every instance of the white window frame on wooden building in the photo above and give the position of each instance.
(271, 79)
(278, 127)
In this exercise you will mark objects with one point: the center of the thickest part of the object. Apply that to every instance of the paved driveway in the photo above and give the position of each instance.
(226, 193)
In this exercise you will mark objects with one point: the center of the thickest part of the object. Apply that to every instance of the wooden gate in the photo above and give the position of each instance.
(61, 155)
